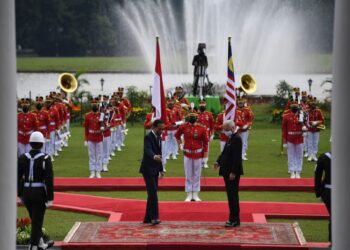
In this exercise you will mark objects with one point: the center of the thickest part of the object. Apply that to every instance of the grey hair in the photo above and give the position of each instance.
(229, 123)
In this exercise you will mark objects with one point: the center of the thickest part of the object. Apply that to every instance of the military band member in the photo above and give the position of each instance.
(246, 123)
(304, 106)
(180, 98)
(292, 135)
(35, 188)
(149, 121)
(218, 127)
(175, 118)
(53, 126)
(206, 119)
(126, 105)
(27, 124)
(93, 139)
(43, 119)
(195, 149)
(315, 123)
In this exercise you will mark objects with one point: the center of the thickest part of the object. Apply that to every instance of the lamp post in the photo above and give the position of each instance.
(102, 82)
(310, 83)
(150, 90)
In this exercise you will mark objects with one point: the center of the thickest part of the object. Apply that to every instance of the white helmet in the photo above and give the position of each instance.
(37, 137)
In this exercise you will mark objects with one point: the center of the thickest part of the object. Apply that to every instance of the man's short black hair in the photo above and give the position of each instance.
(157, 122)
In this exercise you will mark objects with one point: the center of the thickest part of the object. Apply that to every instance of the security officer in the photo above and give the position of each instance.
(35, 187)
(195, 149)
(323, 184)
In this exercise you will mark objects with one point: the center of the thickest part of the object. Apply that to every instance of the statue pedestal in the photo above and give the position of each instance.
(213, 103)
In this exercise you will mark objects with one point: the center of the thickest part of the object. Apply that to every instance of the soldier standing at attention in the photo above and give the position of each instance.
(93, 139)
(35, 187)
(195, 149)
(27, 124)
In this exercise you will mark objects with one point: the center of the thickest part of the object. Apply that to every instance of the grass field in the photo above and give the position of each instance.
(264, 157)
(313, 63)
(85, 64)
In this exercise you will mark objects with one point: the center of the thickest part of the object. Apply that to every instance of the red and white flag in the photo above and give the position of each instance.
(158, 96)
(230, 95)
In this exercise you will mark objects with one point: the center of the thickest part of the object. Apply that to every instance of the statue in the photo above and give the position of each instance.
(200, 63)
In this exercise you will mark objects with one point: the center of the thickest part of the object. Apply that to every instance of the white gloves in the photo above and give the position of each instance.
(314, 123)
(212, 137)
(48, 204)
(85, 143)
(245, 126)
(285, 145)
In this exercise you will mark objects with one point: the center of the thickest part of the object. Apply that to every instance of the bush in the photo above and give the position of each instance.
(23, 231)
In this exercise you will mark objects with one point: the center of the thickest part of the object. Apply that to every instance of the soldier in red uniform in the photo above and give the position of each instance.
(93, 139)
(127, 110)
(292, 135)
(107, 109)
(175, 118)
(43, 119)
(195, 149)
(207, 120)
(53, 127)
(246, 123)
(218, 127)
(315, 122)
(149, 121)
(304, 106)
(180, 98)
(27, 124)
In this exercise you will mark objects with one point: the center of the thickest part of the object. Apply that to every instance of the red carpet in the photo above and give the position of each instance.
(133, 210)
(185, 232)
(177, 184)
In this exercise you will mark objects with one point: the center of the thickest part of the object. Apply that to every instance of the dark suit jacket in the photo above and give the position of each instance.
(230, 160)
(151, 148)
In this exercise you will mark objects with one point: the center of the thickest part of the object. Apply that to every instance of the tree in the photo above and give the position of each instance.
(283, 92)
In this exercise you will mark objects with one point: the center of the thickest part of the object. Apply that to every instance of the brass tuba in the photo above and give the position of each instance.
(67, 82)
(248, 84)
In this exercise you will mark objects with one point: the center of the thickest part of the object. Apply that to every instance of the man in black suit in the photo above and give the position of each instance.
(151, 169)
(230, 164)
(323, 186)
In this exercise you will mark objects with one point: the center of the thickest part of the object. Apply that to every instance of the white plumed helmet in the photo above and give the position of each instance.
(37, 137)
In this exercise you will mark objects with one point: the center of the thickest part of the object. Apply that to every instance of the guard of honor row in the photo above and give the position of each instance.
(105, 129)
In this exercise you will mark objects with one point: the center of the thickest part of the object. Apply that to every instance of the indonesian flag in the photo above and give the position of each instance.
(230, 94)
(158, 97)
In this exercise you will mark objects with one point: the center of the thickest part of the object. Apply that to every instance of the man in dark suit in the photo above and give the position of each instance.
(151, 168)
(323, 186)
(230, 164)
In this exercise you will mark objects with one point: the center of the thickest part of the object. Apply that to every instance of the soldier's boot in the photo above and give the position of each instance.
(32, 247)
(92, 174)
(292, 175)
(297, 175)
(45, 245)
(98, 175)
(104, 168)
(196, 197)
(189, 197)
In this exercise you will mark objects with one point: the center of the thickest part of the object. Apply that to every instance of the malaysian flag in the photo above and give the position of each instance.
(230, 94)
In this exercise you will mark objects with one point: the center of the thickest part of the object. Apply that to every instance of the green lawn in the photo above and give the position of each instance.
(86, 64)
(264, 161)
(313, 230)
(58, 223)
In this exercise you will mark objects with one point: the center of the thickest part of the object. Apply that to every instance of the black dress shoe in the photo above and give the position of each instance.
(155, 222)
(50, 243)
(146, 221)
(232, 224)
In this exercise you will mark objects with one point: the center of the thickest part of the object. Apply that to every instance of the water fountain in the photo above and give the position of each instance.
(266, 35)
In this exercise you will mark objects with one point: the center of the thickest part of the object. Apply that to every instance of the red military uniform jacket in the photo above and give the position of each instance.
(148, 122)
(27, 124)
(43, 122)
(92, 126)
(314, 115)
(54, 119)
(174, 115)
(292, 128)
(196, 140)
(245, 119)
(206, 118)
